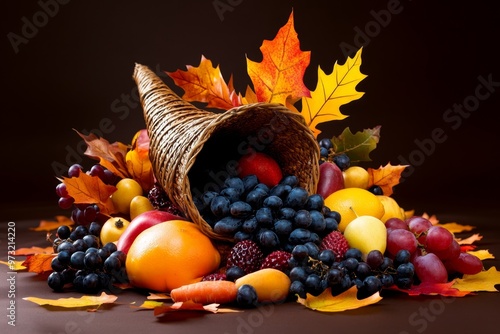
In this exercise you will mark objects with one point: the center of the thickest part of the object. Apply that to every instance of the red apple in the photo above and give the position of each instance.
(262, 165)
(140, 223)
(330, 179)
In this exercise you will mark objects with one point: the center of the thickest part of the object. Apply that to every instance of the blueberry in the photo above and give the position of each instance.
(269, 239)
(298, 288)
(283, 227)
(302, 219)
(315, 202)
(231, 194)
(297, 198)
(299, 236)
(63, 232)
(264, 217)
(228, 225)
(342, 161)
(250, 225)
(326, 143)
(318, 223)
(55, 281)
(220, 206)
(234, 272)
(240, 209)
(246, 296)
(273, 202)
(236, 183)
(290, 180)
(249, 182)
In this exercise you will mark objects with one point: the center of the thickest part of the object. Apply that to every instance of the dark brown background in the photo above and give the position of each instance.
(77, 69)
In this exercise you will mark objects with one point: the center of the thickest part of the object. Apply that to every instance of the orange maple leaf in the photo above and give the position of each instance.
(386, 177)
(206, 84)
(39, 263)
(110, 156)
(87, 189)
(47, 225)
(280, 74)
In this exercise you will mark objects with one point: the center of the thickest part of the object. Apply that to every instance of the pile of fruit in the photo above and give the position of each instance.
(285, 243)
(278, 240)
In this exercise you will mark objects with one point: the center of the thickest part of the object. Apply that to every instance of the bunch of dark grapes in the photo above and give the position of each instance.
(84, 214)
(326, 153)
(83, 263)
(276, 218)
(313, 273)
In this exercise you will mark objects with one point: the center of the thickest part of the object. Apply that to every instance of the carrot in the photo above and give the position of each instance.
(206, 292)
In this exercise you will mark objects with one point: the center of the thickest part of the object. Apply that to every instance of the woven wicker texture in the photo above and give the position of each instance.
(194, 150)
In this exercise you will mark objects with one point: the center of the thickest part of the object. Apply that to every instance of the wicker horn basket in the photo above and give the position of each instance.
(194, 150)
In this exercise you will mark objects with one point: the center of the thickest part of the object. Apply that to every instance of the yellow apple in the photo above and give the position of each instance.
(366, 233)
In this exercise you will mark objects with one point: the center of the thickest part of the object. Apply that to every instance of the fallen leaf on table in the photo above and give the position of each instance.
(433, 219)
(151, 304)
(484, 281)
(280, 74)
(482, 254)
(48, 225)
(158, 296)
(457, 228)
(87, 189)
(205, 84)
(443, 289)
(470, 240)
(347, 300)
(333, 91)
(14, 265)
(34, 250)
(71, 302)
(358, 145)
(39, 263)
(386, 177)
(185, 306)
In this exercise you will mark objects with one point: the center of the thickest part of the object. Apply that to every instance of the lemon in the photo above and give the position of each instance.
(356, 177)
(353, 202)
(391, 208)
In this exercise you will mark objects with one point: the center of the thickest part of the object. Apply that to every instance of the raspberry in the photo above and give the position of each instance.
(335, 241)
(160, 200)
(214, 277)
(245, 254)
(277, 259)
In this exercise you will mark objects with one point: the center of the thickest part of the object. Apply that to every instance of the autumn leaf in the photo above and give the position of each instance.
(357, 146)
(483, 281)
(333, 91)
(250, 96)
(482, 254)
(470, 240)
(110, 156)
(185, 306)
(14, 265)
(457, 228)
(205, 84)
(151, 304)
(158, 296)
(34, 250)
(280, 74)
(39, 263)
(72, 302)
(347, 300)
(87, 189)
(48, 225)
(386, 177)
(139, 166)
(443, 289)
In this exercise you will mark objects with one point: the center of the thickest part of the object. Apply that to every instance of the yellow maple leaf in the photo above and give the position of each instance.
(332, 91)
(72, 302)
(50, 225)
(14, 265)
(483, 281)
(457, 228)
(347, 300)
(482, 254)
(386, 177)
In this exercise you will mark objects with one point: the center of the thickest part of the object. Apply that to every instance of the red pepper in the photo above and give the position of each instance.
(140, 223)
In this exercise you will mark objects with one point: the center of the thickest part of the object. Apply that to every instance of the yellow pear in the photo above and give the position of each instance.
(138, 205)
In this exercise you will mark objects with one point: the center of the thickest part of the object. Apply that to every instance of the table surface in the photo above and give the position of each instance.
(395, 313)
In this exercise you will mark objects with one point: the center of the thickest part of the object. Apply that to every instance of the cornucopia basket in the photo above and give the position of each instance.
(194, 150)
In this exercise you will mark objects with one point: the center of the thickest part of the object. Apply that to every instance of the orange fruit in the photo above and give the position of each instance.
(356, 177)
(170, 254)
